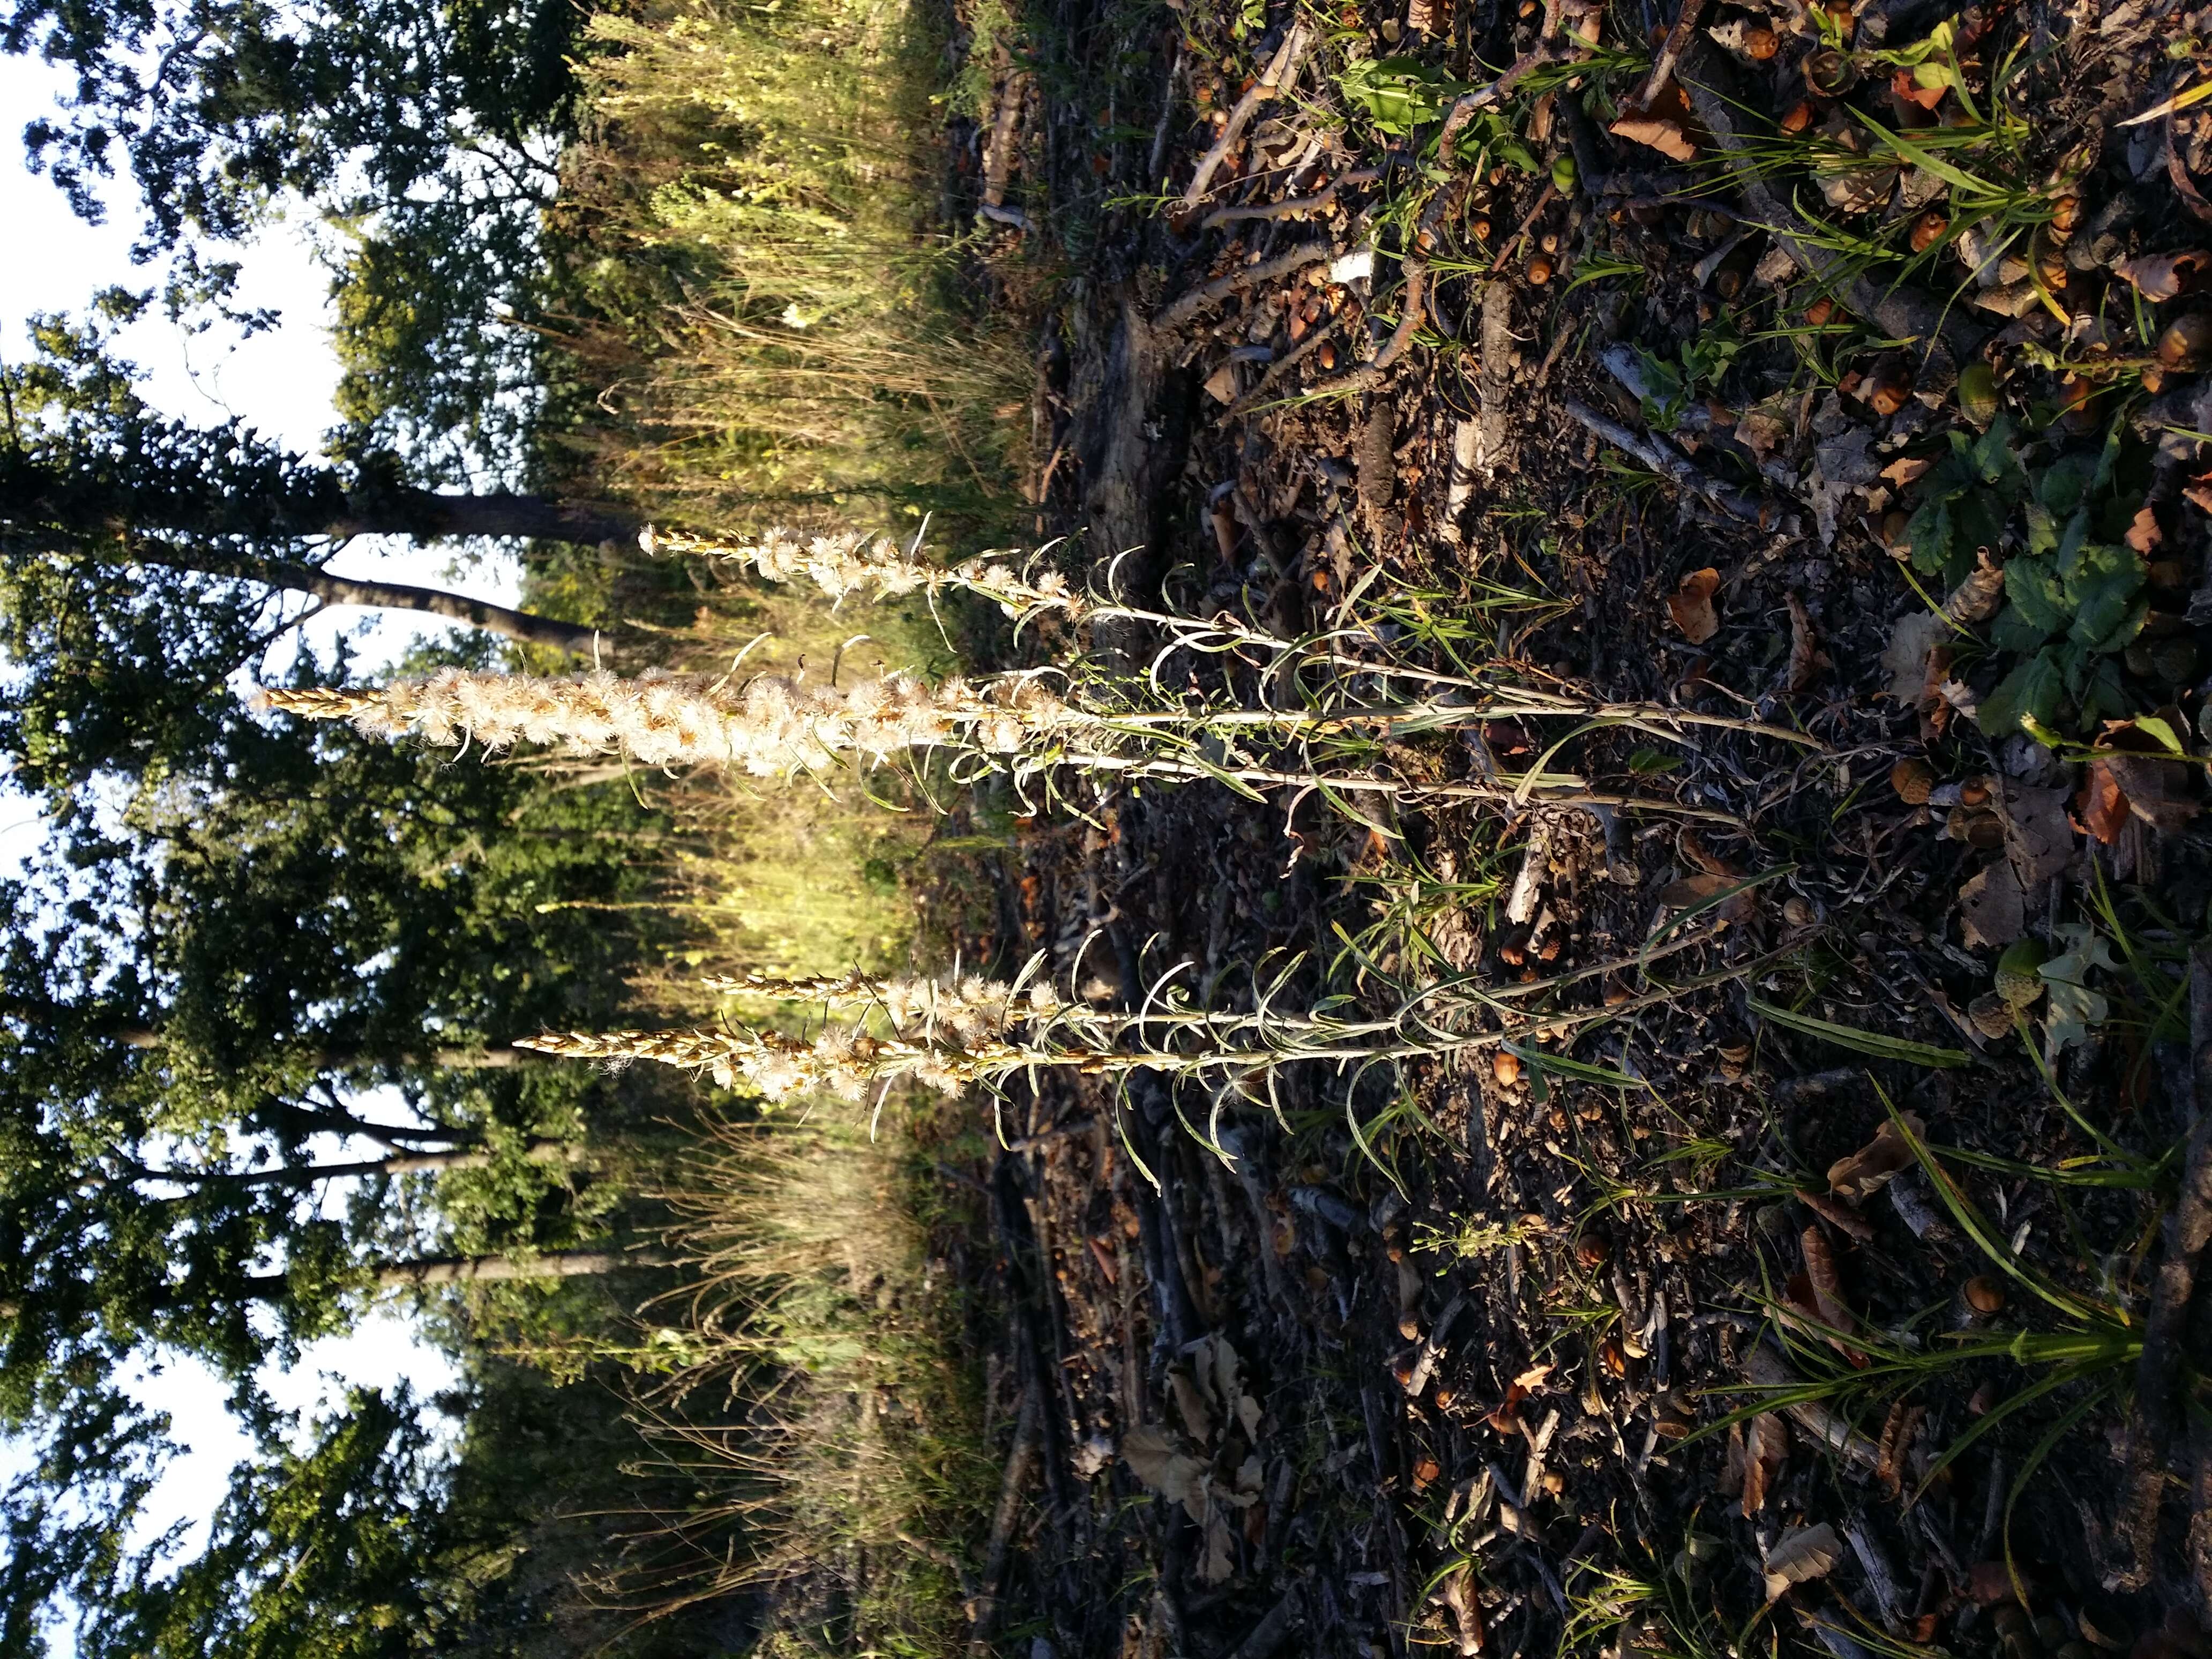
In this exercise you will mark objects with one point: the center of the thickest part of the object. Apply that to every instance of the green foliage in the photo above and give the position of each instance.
(1397, 94)
(1702, 362)
(1964, 501)
(2073, 599)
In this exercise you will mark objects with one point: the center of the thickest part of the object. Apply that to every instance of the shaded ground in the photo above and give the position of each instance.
(1455, 1364)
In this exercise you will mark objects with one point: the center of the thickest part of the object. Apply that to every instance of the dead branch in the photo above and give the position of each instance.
(1293, 206)
(1187, 308)
(1282, 70)
(1669, 463)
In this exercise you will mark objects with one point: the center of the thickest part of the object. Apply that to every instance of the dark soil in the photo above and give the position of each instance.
(1386, 1262)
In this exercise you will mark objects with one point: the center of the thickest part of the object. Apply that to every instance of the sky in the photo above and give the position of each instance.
(281, 382)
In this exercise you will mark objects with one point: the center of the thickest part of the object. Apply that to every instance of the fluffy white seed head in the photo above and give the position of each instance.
(770, 725)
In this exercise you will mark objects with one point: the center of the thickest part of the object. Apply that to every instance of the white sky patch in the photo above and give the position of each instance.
(281, 382)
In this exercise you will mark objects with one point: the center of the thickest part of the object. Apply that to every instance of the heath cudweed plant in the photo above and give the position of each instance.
(770, 725)
(777, 726)
(948, 1036)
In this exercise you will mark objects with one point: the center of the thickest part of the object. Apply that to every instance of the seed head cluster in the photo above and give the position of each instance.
(944, 1036)
(848, 563)
(772, 725)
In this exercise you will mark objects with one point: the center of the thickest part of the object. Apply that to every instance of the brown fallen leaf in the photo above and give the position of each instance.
(1692, 890)
(1977, 598)
(2143, 533)
(1656, 132)
(1828, 1293)
(1690, 605)
(1220, 1549)
(1155, 1458)
(1897, 1431)
(1805, 658)
(2038, 837)
(1221, 385)
(2103, 804)
(1506, 1419)
(2160, 276)
(1766, 1449)
(1190, 1402)
(2158, 788)
(1458, 1595)
(1871, 1168)
(1903, 85)
(1912, 637)
(1803, 1553)
(1904, 469)
(1992, 909)
(1840, 1217)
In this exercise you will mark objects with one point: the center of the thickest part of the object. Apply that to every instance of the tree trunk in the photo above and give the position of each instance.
(350, 1060)
(490, 1269)
(106, 495)
(427, 1271)
(430, 515)
(298, 576)
(399, 1164)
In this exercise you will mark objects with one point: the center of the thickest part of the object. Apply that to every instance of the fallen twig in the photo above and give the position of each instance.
(1293, 206)
(1670, 53)
(1762, 1365)
(1668, 463)
(1187, 308)
(1281, 70)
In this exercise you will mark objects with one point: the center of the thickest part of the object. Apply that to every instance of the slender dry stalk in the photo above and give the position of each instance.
(949, 1037)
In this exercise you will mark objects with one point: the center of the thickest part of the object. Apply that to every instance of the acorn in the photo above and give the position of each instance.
(1797, 117)
(1829, 72)
(1819, 312)
(1984, 1295)
(1992, 1017)
(1593, 1250)
(1326, 354)
(1895, 531)
(1976, 827)
(2077, 398)
(1928, 229)
(1760, 42)
(1887, 386)
(1977, 394)
(1540, 271)
(1913, 780)
(1480, 226)
(2065, 214)
(2019, 981)
(2186, 342)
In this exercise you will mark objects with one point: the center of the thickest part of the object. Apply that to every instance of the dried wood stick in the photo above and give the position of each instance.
(1668, 463)
(1766, 1368)
(1299, 258)
(1293, 206)
(1281, 70)
(1670, 53)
